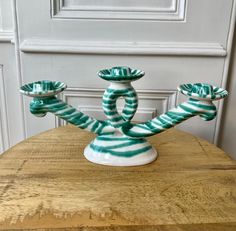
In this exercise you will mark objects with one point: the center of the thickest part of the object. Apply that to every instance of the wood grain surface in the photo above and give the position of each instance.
(46, 184)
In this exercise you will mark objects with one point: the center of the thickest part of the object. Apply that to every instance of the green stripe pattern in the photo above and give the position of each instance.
(43, 88)
(203, 91)
(109, 105)
(205, 109)
(121, 74)
(40, 106)
(121, 146)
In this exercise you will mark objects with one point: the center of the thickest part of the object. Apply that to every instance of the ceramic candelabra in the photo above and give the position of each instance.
(120, 142)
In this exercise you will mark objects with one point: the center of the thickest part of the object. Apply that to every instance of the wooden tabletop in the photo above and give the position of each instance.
(46, 184)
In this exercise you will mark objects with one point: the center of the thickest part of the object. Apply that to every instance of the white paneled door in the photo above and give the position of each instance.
(173, 41)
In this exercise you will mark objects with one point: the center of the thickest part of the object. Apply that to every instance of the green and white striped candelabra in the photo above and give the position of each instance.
(120, 142)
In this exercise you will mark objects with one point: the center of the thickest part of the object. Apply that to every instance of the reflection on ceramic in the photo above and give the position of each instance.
(120, 142)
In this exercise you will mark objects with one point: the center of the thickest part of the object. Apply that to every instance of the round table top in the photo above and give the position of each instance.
(45, 182)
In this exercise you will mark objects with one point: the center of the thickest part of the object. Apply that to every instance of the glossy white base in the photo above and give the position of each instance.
(108, 159)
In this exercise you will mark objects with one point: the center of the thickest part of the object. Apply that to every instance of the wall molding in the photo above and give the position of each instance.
(167, 97)
(174, 10)
(6, 27)
(19, 68)
(225, 73)
(123, 48)
(4, 129)
(6, 36)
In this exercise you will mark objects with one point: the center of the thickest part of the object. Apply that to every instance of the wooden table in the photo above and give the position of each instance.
(45, 182)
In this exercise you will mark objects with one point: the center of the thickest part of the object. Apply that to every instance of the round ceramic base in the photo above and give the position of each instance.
(112, 160)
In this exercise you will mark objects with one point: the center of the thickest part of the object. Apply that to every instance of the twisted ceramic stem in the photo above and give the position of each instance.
(40, 106)
(110, 109)
(184, 111)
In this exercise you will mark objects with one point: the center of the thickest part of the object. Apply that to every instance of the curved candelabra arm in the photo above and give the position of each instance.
(44, 101)
(200, 103)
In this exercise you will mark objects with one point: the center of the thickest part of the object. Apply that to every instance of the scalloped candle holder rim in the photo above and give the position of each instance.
(217, 96)
(46, 93)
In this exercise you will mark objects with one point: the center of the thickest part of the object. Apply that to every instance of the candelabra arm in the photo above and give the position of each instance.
(182, 112)
(44, 100)
(200, 103)
(40, 106)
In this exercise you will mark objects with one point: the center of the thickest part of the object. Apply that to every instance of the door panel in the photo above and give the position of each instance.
(205, 21)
